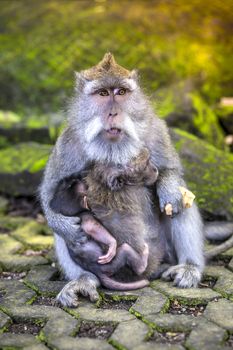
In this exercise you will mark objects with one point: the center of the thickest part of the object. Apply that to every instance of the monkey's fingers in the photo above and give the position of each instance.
(168, 209)
(104, 259)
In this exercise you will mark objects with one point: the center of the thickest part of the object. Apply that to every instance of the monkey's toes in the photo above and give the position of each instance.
(67, 296)
(184, 276)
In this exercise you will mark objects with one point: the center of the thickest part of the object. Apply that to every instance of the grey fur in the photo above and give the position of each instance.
(75, 147)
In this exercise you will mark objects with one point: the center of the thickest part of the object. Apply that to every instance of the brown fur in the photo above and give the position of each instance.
(107, 66)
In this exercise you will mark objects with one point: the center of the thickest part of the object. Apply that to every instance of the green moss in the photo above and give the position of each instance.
(5, 310)
(208, 172)
(116, 345)
(165, 307)
(31, 301)
(206, 121)
(9, 118)
(32, 286)
(41, 336)
(72, 312)
(11, 223)
(124, 297)
(34, 235)
(24, 157)
(4, 142)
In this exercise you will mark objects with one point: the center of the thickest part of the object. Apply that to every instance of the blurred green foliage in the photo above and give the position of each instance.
(181, 48)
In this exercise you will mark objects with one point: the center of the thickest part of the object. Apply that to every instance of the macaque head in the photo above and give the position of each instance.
(69, 197)
(109, 112)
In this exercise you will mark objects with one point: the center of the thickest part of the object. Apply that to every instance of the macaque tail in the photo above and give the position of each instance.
(112, 284)
(218, 230)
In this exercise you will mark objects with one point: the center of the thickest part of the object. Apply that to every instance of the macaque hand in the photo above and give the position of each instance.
(171, 203)
(104, 259)
(187, 198)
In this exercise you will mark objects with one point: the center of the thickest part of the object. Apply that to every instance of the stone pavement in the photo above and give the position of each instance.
(157, 317)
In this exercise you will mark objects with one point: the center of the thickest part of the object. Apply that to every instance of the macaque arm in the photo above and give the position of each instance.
(63, 162)
(165, 158)
(186, 225)
(99, 233)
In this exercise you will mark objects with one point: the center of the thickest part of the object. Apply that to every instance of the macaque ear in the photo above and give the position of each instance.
(134, 75)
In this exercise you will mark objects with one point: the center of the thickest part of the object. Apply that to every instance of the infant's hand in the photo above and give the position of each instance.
(104, 259)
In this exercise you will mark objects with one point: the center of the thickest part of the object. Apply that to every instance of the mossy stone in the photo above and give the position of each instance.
(21, 167)
(208, 172)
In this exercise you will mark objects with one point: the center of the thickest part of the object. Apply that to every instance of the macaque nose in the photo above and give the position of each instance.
(113, 111)
(112, 114)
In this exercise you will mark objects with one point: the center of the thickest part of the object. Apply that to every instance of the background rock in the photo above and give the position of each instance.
(21, 168)
(209, 173)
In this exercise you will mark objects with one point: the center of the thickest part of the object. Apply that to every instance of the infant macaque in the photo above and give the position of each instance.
(81, 196)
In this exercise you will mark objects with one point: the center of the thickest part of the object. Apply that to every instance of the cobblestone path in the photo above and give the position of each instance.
(157, 317)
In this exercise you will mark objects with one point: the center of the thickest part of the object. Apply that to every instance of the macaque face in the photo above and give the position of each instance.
(112, 122)
(111, 101)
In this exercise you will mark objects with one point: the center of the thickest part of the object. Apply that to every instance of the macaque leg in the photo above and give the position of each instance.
(127, 255)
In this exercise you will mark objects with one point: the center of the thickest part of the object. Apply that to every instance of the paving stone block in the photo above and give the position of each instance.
(206, 336)
(34, 235)
(59, 324)
(5, 320)
(225, 287)
(228, 252)
(189, 296)
(42, 273)
(11, 223)
(19, 263)
(68, 343)
(17, 340)
(167, 322)
(147, 291)
(104, 315)
(33, 312)
(158, 346)
(217, 271)
(47, 288)
(9, 245)
(221, 313)
(130, 334)
(15, 293)
(146, 305)
(35, 347)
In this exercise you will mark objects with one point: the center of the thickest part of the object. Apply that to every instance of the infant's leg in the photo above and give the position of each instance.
(126, 255)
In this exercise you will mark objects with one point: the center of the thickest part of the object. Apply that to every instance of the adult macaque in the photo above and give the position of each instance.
(110, 121)
(110, 195)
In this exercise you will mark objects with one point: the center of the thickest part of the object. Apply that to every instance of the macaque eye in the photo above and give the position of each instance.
(103, 92)
(121, 91)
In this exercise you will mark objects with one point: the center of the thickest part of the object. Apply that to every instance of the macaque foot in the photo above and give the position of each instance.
(86, 285)
(183, 275)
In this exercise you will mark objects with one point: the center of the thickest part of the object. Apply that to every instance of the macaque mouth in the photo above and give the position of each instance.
(114, 131)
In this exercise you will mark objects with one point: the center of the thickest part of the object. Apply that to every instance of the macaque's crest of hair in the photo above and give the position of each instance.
(106, 67)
